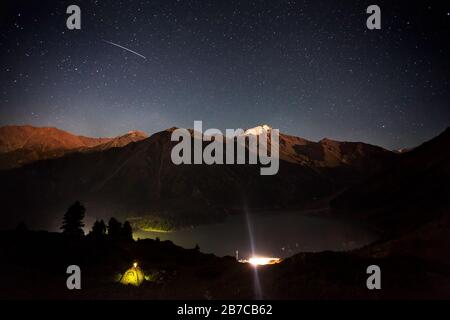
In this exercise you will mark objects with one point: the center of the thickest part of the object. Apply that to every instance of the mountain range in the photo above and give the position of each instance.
(46, 169)
(20, 145)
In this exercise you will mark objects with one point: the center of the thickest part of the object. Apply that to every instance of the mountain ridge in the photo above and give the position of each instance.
(140, 178)
(25, 144)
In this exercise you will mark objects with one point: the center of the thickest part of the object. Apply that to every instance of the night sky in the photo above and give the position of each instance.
(309, 68)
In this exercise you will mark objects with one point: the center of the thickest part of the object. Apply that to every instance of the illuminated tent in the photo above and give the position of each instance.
(133, 276)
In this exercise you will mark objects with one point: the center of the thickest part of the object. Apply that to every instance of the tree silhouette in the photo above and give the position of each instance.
(73, 220)
(127, 231)
(98, 229)
(114, 229)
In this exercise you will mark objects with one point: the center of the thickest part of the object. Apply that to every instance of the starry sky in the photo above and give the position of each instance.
(309, 68)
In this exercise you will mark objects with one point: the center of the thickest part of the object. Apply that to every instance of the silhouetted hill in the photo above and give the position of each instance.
(34, 265)
(414, 190)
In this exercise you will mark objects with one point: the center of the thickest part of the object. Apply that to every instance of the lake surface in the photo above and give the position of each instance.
(270, 234)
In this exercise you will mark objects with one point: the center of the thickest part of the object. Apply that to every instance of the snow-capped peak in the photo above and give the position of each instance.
(258, 130)
(136, 133)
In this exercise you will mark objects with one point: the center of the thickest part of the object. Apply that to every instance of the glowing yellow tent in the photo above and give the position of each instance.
(133, 276)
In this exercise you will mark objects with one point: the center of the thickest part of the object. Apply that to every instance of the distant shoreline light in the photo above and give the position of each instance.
(261, 261)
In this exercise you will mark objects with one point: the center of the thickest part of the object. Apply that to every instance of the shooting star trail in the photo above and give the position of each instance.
(118, 45)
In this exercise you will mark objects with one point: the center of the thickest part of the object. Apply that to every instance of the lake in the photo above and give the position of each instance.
(270, 234)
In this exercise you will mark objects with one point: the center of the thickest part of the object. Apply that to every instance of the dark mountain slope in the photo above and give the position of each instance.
(414, 190)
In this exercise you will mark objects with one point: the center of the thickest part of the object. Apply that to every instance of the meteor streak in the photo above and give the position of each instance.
(118, 45)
